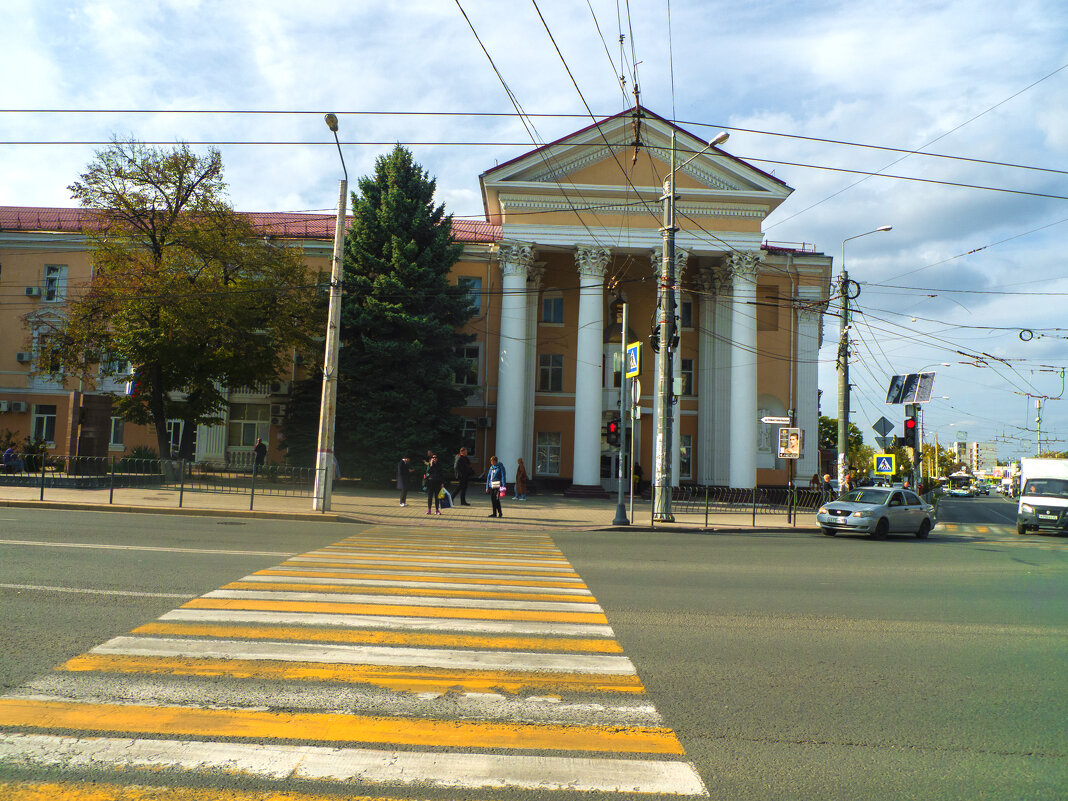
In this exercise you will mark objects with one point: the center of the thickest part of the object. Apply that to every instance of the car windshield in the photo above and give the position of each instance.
(872, 496)
(1050, 487)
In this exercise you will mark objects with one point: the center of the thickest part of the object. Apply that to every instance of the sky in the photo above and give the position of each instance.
(970, 282)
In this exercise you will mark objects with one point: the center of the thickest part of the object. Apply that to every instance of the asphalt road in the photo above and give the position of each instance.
(789, 665)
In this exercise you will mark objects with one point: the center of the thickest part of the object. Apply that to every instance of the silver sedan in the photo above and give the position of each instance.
(877, 511)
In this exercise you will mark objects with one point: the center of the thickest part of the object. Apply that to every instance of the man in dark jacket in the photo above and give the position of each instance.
(403, 475)
(461, 468)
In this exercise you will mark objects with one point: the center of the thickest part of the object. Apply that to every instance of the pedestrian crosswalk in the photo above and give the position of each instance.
(388, 664)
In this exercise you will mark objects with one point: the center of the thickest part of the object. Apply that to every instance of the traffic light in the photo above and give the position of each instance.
(911, 430)
(611, 433)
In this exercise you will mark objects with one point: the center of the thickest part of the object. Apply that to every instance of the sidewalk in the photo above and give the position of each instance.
(381, 507)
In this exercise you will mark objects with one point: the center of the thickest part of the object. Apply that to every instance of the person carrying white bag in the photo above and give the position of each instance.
(496, 485)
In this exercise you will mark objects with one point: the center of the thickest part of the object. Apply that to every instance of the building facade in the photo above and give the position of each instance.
(572, 232)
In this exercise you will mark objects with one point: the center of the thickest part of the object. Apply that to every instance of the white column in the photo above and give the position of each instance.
(515, 260)
(712, 375)
(743, 372)
(810, 319)
(591, 263)
(535, 275)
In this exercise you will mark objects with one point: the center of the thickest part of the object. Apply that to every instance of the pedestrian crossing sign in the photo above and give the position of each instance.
(884, 464)
(634, 359)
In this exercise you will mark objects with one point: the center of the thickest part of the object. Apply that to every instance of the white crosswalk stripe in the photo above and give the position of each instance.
(474, 663)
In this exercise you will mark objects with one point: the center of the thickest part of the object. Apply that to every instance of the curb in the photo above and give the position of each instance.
(328, 517)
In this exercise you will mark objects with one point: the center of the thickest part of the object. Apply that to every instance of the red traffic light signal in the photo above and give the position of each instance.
(611, 432)
(909, 439)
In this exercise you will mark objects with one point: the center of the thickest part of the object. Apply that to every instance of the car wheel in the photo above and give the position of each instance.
(827, 532)
(881, 529)
(925, 529)
(1021, 529)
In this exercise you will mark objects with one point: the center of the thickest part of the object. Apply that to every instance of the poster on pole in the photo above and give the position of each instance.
(790, 443)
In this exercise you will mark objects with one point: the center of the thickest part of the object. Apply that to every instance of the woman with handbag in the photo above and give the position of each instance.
(435, 479)
(496, 485)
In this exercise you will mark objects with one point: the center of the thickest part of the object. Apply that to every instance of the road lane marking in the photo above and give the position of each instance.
(366, 655)
(345, 595)
(71, 791)
(283, 554)
(421, 575)
(430, 592)
(88, 591)
(394, 622)
(450, 587)
(403, 610)
(439, 769)
(391, 677)
(334, 727)
(299, 633)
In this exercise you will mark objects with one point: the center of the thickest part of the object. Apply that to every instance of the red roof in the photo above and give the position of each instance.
(286, 225)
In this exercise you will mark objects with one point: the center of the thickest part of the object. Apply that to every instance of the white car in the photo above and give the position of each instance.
(877, 511)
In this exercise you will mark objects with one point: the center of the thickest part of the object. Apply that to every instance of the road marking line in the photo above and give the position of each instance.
(396, 678)
(339, 579)
(440, 769)
(97, 791)
(422, 575)
(399, 588)
(283, 554)
(87, 591)
(389, 609)
(296, 633)
(366, 655)
(442, 565)
(391, 622)
(334, 727)
(439, 558)
(345, 595)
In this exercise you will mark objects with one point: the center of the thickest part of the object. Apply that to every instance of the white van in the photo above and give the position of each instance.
(1043, 496)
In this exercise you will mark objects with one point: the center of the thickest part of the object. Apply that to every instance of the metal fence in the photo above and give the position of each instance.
(709, 500)
(175, 475)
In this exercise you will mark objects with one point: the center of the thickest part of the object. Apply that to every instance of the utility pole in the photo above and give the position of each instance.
(324, 453)
(662, 479)
(624, 401)
(843, 374)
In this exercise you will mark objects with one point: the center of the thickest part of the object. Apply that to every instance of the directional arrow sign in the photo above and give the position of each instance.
(782, 421)
(883, 427)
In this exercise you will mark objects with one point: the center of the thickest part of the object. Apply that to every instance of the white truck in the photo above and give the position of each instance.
(1043, 496)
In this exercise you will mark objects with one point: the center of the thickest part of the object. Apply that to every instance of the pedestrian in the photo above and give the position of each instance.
(461, 468)
(12, 462)
(847, 484)
(496, 485)
(827, 488)
(636, 474)
(435, 480)
(520, 481)
(404, 475)
(814, 482)
(260, 451)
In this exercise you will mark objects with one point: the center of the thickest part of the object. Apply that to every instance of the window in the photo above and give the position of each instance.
(686, 314)
(45, 357)
(547, 459)
(473, 285)
(686, 456)
(174, 437)
(767, 308)
(44, 423)
(247, 422)
(468, 376)
(551, 372)
(55, 283)
(687, 376)
(552, 307)
(467, 437)
(115, 440)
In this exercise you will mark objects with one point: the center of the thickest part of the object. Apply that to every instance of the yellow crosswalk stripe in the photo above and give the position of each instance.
(515, 596)
(76, 791)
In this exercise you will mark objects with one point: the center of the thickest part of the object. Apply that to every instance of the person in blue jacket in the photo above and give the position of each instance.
(495, 485)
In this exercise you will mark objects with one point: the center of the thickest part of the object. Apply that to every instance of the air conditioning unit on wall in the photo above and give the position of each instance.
(279, 387)
(33, 291)
(23, 357)
(20, 406)
(3, 406)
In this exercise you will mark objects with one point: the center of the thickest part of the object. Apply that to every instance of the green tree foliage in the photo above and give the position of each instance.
(183, 288)
(859, 454)
(400, 346)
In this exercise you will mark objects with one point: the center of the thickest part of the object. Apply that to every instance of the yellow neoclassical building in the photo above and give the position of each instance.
(572, 231)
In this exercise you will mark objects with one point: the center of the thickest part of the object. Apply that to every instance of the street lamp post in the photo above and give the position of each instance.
(662, 481)
(843, 361)
(324, 453)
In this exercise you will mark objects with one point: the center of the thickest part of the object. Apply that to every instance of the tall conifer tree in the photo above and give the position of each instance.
(400, 318)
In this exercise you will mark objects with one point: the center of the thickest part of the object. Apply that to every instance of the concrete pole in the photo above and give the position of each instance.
(624, 427)
(664, 422)
(324, 453)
